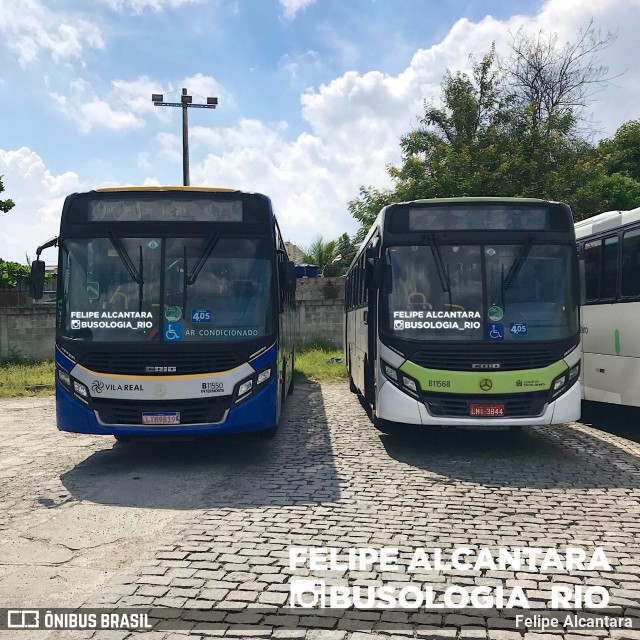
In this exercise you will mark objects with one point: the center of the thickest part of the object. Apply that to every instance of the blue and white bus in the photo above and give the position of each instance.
(175, 312)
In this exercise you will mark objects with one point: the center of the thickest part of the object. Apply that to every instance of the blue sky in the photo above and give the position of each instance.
(313, 94)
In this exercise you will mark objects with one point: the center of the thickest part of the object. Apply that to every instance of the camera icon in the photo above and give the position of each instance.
(398, 324)
(307, 594)
(75, 324)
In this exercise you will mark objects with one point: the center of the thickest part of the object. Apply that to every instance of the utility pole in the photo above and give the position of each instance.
(186, 101)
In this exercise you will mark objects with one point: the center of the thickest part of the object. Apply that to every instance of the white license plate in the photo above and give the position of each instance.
(161, 418)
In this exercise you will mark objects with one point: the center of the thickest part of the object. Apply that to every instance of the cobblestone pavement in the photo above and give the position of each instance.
(198, 526)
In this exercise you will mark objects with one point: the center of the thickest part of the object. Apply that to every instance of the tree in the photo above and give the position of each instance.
(321, 254)
(5, 205)
(511, 131)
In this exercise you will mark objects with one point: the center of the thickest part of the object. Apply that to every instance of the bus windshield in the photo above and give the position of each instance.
(493, 292)
(192, 289)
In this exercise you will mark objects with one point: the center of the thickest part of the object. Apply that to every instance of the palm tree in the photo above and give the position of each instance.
(321, 254)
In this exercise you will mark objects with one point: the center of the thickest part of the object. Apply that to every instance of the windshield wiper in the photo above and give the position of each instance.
(197, 267)
(517, 263)
(126, 260)
(443, 274)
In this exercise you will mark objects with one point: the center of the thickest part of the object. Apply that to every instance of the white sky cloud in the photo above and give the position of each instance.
(38, 195)
(350, 133)
(138, 6)
(127, 104)
(291, 7)
(28, 28)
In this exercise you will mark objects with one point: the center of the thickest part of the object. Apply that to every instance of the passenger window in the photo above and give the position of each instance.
(592, 268)
(609, 282)
(631, 263)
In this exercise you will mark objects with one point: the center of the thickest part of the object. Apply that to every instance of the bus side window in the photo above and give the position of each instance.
(592, 268)
(631, 263)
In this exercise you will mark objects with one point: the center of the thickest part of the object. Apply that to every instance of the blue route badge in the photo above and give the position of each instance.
(518, 329)
(201, 315)
(496, 332)
(173, 331)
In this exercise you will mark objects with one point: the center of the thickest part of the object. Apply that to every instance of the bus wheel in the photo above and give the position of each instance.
(293, 372)
(123, 438)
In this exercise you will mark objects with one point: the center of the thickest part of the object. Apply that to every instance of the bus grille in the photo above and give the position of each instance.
(520, 405)
(137, 363)
(207, 411)
(464, 360)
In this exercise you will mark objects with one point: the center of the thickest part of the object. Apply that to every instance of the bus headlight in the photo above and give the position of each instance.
(574, 372)
(64, 378)
(559, 383)
(400, 379)
(81, 390)
(263, 376)
(245, 388)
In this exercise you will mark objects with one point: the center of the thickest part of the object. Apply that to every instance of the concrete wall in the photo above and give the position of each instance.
(27, 332)
(320, 310)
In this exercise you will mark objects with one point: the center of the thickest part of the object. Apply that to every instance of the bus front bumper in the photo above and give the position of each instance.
(250, 415)
(396, 406)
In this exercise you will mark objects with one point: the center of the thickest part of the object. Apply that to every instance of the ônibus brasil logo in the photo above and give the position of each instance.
(97, 386)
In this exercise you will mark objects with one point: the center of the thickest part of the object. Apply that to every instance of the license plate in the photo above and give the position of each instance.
(161, 418)
(487, 410)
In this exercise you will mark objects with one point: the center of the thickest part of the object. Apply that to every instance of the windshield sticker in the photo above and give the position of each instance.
(495, 313)
(222, 333)
(173, 314)
(111, 320)
(518, 329)
(201, 315)
(173, 331)
(496, 332)
(491, 252)
(449, 320)
(93, 290)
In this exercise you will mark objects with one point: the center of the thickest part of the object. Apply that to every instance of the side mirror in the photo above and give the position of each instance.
(583, 282)
(287, 273)
(373, 273)
(36, 279)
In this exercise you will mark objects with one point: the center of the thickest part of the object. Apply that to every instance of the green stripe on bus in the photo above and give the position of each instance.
(616, 337)
(523, 381)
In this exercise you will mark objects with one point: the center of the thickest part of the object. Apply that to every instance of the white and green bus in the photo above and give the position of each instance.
(465, 312)
(609, 248)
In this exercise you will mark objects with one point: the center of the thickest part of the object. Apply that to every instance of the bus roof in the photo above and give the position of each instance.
(605, 221)
(476, 199)
(167, 188)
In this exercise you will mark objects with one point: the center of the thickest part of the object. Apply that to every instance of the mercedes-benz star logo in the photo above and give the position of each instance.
(486, 384)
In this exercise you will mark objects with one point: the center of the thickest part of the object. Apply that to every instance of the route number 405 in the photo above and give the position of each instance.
(201, 315)
(518, 328)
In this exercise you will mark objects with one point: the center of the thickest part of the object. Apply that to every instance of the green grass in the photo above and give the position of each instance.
(25, 378)
(312, 365)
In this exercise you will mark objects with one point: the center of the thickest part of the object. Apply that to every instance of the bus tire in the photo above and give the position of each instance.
(293, 371)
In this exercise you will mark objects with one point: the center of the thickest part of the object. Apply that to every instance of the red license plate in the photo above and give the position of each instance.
(487, 410)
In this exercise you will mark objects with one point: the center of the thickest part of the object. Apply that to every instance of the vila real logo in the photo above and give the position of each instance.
(98, 387)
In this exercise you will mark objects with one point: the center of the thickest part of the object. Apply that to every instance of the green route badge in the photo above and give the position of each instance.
(495, 313)
(173, 314)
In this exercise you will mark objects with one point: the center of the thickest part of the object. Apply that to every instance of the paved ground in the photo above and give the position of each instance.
(85, 521)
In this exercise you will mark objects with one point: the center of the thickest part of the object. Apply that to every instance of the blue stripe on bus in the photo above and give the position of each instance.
(64, 362)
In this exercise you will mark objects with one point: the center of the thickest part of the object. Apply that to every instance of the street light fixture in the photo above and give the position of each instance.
(185, 102)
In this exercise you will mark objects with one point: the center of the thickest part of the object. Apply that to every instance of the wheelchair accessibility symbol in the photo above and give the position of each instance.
(496, 332)
(173, 331)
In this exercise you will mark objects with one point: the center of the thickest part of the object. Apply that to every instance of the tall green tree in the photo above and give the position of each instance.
(5, 205)
(321, 253)
(512, 130)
